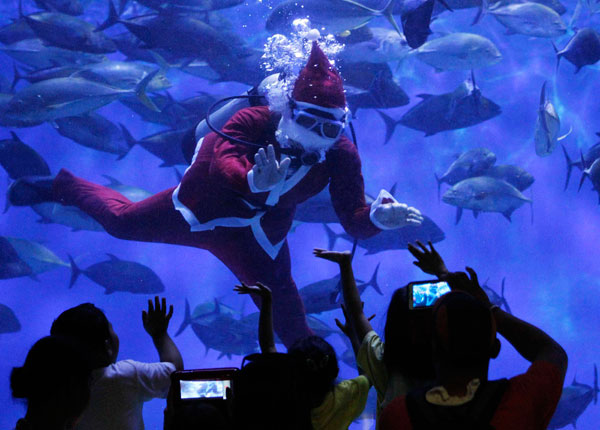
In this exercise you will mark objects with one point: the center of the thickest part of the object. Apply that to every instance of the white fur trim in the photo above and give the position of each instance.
(383, 194)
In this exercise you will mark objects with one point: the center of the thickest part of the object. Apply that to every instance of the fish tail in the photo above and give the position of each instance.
(187, 319)
(504, 302)
(390, 125)
(388, 13)
(75, 272)
(596, 390)
(439, 185)
(583, 172)
(113, 18)
(373, 281)
(140, 91)
(446, 5)
(131, 142)
(569, 165)
(16, 77)
(558, 55)
(332, 236)
(481, 12)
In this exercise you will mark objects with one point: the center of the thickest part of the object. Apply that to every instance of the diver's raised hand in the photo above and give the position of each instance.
(388, 214)
(428, 260)
(267, 171)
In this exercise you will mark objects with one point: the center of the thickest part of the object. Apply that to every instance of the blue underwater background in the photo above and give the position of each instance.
(548, 254)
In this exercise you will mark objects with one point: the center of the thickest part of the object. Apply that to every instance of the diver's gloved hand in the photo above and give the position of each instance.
(267, 172)
(388, 214)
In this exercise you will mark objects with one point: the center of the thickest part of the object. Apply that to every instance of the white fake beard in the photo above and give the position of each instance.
(288, 130)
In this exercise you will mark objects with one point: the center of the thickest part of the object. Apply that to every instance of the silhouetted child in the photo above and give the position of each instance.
(405, 361)
(55, 382)
(120, 388)
(332, 406)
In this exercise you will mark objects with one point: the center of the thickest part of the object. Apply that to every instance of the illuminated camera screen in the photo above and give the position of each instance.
(425, 295)
(204, 389)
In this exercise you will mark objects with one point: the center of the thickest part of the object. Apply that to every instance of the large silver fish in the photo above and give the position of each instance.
(62, 97)
(547, 126)
(332, 16)
(529, 19)
(384, 45)
(459, 51)
(485, 194)
(123, 74)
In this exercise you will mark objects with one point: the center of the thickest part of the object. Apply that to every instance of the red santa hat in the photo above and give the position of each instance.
(319, 83)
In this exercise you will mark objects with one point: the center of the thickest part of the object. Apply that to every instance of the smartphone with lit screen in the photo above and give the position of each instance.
(423, 294)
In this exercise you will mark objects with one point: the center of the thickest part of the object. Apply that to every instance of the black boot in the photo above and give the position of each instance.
(30, 190)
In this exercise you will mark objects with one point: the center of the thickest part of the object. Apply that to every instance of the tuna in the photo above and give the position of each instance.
(383, 45)
(115, 275)
(334, 16)
(32, 254)
(459, 51)
(19, 159)
(35, 53)
(593, 172)
(514, 175)
(389, 240)
(166, 145)
(63, 97)
(473, 162)
(529, 19)
(69, 7)
(547, 126)
(326, 295)
(94, 131)
(573, 402)
(484, 194)
(582, 50)
(123, 74)
(464, 107)
(8, 320)
(495, 298)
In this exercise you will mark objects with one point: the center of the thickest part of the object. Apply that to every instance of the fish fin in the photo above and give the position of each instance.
(459, 212)
(217, 307)
(178, 175)
(7, 205)
(439, 185)
(16, 77)
(481, 12)
(332, 236)
(424, 96)
(583, 173)
(187, 319)
(113, 182)
(446, 5)
(569, 165)
(75, 272)
(129, 139)
(221, 355)
(564, 136)
(390, 125)
(112, 19)
(112, 257)
(596, 390)
(558, 55)
(373, 281)
(507, 215)
(475, 214)
(140, 91)
(393, 189)
(122, 5)
(160, 61)
(430, 133)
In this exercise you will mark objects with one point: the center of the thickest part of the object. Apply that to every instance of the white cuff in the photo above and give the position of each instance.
(253, 187)
(377, 223)
(383, 194)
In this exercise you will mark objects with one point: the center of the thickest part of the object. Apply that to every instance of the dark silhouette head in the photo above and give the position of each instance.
(408, 337)
(320, 363)
(199, 416)
(89, 326)
(464, 332)
(54, 381)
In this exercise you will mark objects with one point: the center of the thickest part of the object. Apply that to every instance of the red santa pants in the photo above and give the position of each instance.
(156, 220)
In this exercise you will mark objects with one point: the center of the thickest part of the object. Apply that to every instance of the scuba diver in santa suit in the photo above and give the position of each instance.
(238, 202)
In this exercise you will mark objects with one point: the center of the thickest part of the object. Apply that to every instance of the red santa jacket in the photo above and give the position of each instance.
(214, 190)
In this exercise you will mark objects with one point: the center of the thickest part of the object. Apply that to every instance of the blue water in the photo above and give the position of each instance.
(550, 265)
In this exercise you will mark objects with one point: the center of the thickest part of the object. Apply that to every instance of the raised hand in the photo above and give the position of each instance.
(156, 319)
(428, 260)
(267, 171)
(335, 256)
(346, 327)
(459, 281)
(259, 289)
(389, 214)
